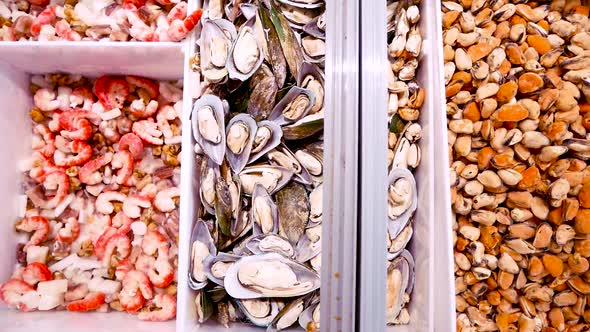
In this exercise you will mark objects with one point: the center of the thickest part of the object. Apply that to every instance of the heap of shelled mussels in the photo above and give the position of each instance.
(258, 127)
(406, 97)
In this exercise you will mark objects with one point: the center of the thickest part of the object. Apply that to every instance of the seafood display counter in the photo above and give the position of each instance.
(281, 190)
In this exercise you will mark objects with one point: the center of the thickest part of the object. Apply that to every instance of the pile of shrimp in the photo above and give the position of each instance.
(115, 20)
(100, 195)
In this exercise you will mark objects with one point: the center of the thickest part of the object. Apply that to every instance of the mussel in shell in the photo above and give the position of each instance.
(241, 131)
(272, 178)
(402, 200)
(263, 213)
(294, 106)
(268, 136)
(246, 54)
(202, 245)
(208, 124)
(400, 281)
(269, 275)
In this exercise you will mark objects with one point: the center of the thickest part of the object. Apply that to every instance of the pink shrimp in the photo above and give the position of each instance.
(166, 114)
(146, 84)
(79, 292)
(139, 30)
(167, 303)
(123, 268)
(145, 263)
(90, 174)
(148, 131)
(47, 147)
(63, 29)
(36, 272)
(82, 95)
(119, 243)
(162, 273)
(150, 191)
(141, 110)
(70, 231)
(112, 91)
(124, 125)
(164, 199)
(39, 3)
(75, 125)
(45, 17)
(108, 129)
(152, 242)
(44, 166)
(44, 99)
(101, 242)
(132, 143)
(136, 289)
(104, 203)
(123, 161)
(36, 224)
(13, 291)
(122, 222)
(177, 12)
(170, 93)
(179, 29)
(60, 182)
(91, 301)
(133, 203)
(166, 2)
(82, 152)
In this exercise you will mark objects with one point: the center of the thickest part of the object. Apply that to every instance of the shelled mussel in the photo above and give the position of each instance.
(406, 97)
(258, 132)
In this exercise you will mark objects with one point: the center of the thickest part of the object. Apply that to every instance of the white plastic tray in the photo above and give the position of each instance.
(15, 135)
(432, 301)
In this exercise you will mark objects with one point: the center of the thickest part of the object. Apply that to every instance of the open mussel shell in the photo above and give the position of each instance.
(295, 105)
(269, 275)
(267, 243)
(282, 156)
(303, 3)
(217, 37)
(399, 243)
(215, 267)
(233, 12)
(242, 224)
(264, 213)
(316, 199)
(312, 159)
(299, 16)
(208, 177)
(305, 127)
(406, 188)
(314, 49)
(204, 306)
(316, 27)
(202, 245)
(208, 124)
(268, 136)
(246, 54)
(273, 178)
(260, 312)
(310, 244)
(400, 280)
(310, 317)
(288, 315)
(311, 78)
(241, 131)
